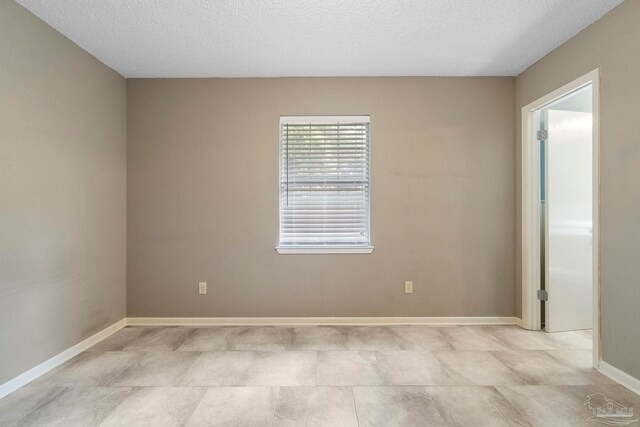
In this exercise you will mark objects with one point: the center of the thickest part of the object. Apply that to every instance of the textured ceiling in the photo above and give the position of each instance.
(267, 38)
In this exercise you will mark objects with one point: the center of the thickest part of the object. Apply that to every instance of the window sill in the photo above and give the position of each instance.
(287, 250)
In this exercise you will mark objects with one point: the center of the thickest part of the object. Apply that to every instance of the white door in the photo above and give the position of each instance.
(569, 221)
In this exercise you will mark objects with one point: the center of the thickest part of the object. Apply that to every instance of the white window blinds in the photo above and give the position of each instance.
(324, 181)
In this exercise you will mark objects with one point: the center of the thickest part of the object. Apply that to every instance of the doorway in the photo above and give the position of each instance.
(560, 176)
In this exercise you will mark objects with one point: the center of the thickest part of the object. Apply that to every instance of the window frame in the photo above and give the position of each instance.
(323, 249)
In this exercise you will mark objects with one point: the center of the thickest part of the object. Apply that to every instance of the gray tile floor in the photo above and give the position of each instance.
(320, 376)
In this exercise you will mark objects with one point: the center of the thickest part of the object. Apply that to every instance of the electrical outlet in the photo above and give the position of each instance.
(408, 287)
(202, 288)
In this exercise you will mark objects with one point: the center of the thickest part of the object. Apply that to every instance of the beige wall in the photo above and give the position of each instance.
(62, 193)
(613, 44)
(203, 198)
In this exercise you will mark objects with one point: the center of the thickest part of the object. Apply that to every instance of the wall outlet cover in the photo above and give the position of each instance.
(408, 287)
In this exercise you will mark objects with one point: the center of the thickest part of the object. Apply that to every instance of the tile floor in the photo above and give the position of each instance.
(320, 376)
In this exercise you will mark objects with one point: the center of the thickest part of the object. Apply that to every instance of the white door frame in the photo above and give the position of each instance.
(530, 163)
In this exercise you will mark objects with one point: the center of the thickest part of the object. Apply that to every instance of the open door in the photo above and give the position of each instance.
(569, 222)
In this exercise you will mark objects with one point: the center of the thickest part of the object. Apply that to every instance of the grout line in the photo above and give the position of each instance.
(181, 342)
(517, 411)
(520, 375)
(133, 391)
(140, 354)
(196, 406)
(275, 407)
(440, 409)
(59, 390)
(355, 405)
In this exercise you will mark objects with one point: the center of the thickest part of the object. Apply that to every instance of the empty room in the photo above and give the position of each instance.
(319, 213)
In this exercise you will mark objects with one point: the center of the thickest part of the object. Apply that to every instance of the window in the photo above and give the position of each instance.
(324, 185)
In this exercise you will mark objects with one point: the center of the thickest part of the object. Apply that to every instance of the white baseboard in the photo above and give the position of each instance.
(321, 321)
(33, 373)
(620, 377)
